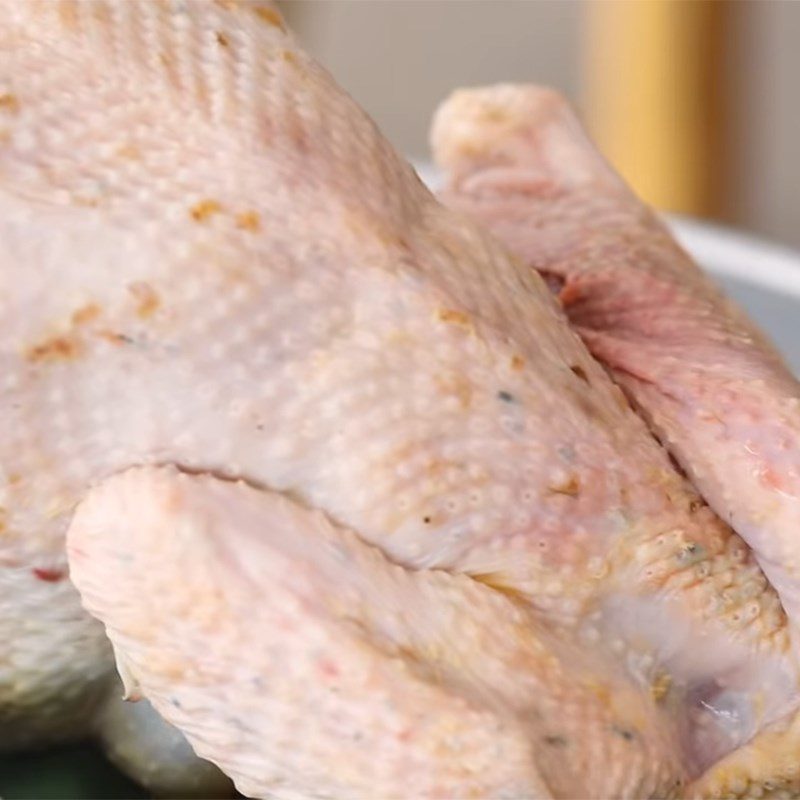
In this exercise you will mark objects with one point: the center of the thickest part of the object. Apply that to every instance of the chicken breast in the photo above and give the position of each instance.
(367, 518)
(710, 385)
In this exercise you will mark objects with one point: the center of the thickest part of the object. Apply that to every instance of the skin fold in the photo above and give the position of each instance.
(357, 510)
(709, 384)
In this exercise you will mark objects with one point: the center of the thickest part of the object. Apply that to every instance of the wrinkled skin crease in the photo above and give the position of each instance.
(517, 596)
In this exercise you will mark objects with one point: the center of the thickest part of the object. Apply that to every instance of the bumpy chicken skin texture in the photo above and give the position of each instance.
(239, 277)
(709, 384)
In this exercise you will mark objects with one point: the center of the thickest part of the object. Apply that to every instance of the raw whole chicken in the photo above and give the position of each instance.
(357, 510)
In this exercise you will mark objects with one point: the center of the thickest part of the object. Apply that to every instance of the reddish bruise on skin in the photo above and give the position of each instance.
(328, 669)
(571, 293)
(48, 575)
(772, 479)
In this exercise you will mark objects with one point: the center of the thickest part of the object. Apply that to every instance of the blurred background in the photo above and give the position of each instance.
(696, 102)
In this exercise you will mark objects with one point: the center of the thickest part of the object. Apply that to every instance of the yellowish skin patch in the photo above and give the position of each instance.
(86, 314)
(660, 686)
(270, 16)
(129, 151)
(248, 221)
(9, 102)
(202, 211)
(59, 348)
(571, 487)
(454, 317)
(147, 300)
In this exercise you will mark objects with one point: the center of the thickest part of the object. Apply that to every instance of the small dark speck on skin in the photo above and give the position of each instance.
(175, 702)
(555, 741)
(260, 426)
(117, 338)
(581, 373)
(506, 397)
(625, 733)
(567, 452)
(426, 520)
(690, 553)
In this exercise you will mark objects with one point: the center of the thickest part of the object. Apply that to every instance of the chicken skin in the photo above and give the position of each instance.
(711, 387)
(709, 384)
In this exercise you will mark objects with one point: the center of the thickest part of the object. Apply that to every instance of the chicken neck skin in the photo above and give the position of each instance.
(708, 383)
(240, 277)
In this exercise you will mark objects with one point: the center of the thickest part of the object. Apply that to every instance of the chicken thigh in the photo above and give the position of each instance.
(366, 519)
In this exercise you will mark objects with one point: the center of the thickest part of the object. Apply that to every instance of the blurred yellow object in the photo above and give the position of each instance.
(656, 105)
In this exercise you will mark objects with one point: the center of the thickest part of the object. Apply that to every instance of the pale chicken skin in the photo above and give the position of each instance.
(367, 518)
(709, 384)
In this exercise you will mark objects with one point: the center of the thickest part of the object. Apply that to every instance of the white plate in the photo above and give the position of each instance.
(762, 277)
